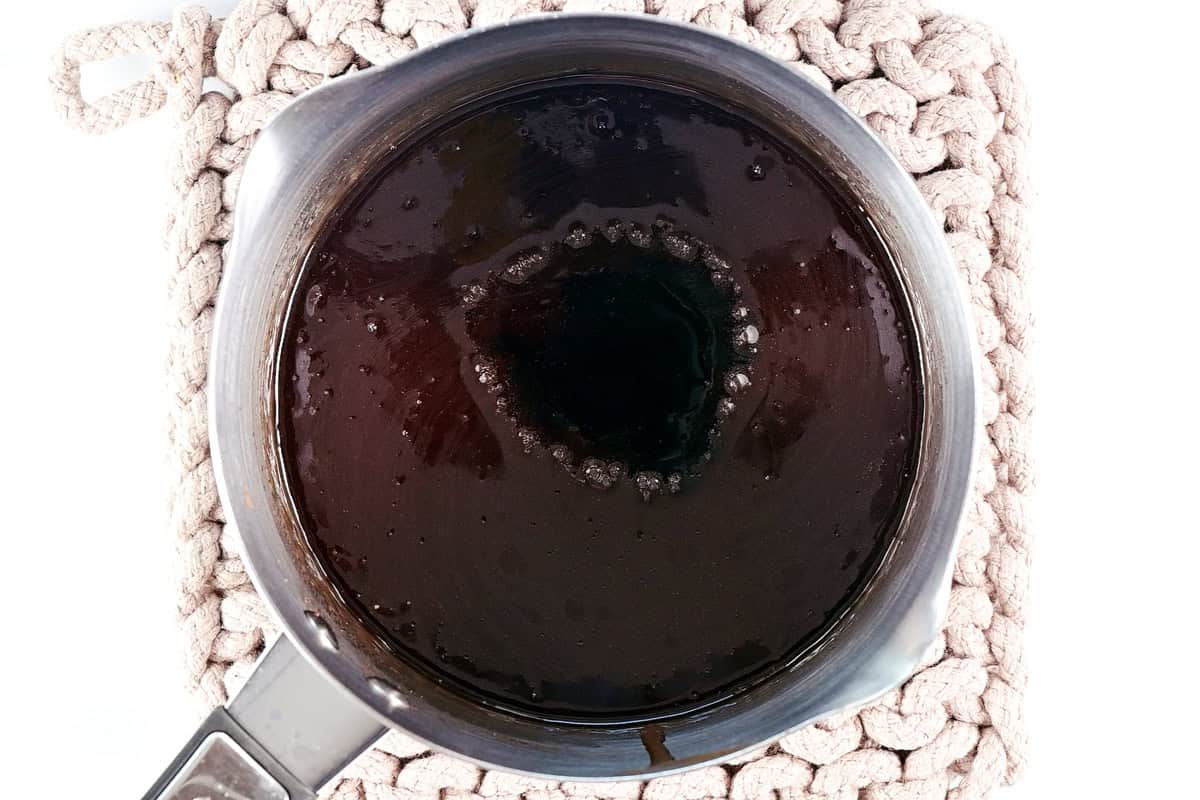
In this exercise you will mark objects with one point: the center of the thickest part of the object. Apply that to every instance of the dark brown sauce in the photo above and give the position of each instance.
(598, 401)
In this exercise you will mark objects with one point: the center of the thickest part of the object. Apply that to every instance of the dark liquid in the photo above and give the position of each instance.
(615, 351)
(599, 402)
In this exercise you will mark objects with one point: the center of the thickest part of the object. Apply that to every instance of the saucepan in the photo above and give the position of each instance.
(326, 689)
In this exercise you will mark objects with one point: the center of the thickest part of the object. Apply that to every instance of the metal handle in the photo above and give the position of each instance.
(284, 736)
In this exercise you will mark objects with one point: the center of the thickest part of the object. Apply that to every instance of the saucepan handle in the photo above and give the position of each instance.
(286, 733)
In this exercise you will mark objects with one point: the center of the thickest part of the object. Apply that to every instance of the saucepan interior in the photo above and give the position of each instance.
(306, 162)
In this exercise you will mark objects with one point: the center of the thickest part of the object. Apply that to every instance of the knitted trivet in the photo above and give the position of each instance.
(941, 92)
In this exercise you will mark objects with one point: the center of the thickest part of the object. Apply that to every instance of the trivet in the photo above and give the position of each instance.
(942, 93)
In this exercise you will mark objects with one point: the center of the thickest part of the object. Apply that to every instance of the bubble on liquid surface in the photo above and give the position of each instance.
(613, 230)
(602, 122)
(680, 246)
(473, 293)
(737, 382)
(524, 266)
(598, 474)
(639, 236)
(486, 370)
(649, 484)
(714, 262)
(578, 236)
(758, 168)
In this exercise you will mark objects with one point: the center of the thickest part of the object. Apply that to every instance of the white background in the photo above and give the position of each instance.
(91, 670)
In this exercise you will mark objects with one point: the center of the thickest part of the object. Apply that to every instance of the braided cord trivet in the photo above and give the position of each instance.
(942, 92)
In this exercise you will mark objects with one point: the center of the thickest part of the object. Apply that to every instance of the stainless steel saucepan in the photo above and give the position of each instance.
(327, 689)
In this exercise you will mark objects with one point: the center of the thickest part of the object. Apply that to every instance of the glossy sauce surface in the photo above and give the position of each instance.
(501, 379)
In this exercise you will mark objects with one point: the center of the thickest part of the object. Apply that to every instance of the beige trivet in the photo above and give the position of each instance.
(942, 93)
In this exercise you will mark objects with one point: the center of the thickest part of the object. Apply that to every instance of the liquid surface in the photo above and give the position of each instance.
(598, 402)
